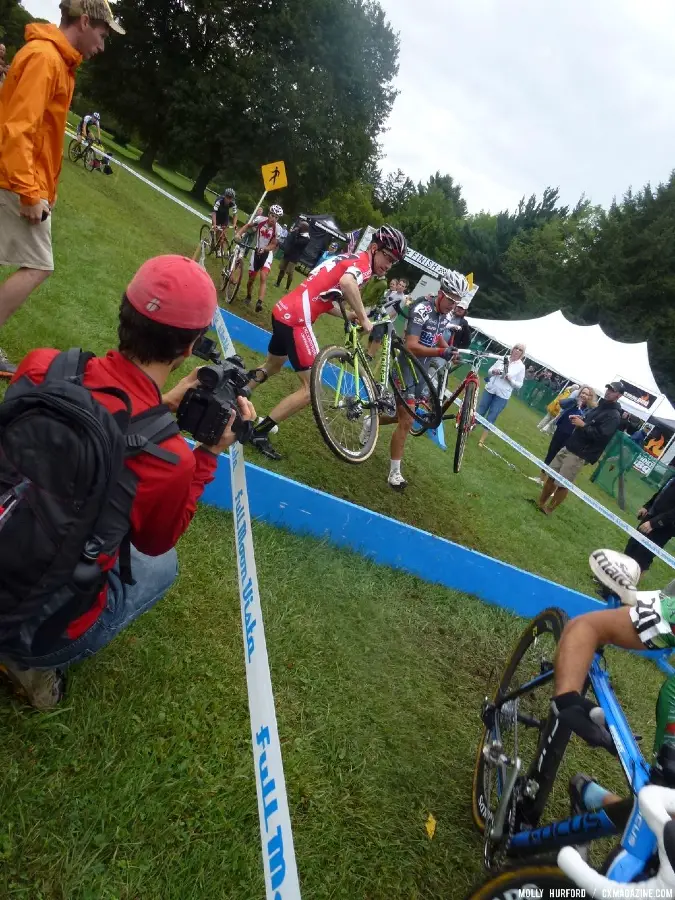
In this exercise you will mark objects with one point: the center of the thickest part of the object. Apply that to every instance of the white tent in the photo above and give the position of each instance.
(581, 353)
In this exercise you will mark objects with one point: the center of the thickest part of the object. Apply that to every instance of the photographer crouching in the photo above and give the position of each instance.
(97, 484)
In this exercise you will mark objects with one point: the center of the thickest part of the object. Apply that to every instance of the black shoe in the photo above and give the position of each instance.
(259, 306)
(264, 444)
(248, 299)
(576, 787)
(277, 283)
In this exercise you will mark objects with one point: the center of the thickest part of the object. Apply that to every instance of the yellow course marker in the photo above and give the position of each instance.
(274, 176)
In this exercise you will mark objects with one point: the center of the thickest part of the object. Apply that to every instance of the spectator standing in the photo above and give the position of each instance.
(657, 522)
(505, 377)
(577, 405)
(640, 436)
(553, 409)
(294, 247)
(34, 101)
(585, 445)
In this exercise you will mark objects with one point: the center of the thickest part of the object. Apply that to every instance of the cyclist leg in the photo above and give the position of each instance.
(282, 270)
(301, 349)
(404, 422)
(264, 272)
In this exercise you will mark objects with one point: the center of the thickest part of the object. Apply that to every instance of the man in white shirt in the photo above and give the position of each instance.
(506, 376)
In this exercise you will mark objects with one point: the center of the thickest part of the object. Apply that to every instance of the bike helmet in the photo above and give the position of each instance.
(455, 283)
(392, 240)
(276, 210)
(97, 116)
(229, 193)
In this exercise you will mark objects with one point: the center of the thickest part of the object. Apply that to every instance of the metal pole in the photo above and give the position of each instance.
(252, 216)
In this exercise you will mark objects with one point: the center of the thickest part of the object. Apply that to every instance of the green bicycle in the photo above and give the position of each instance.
(347, 398)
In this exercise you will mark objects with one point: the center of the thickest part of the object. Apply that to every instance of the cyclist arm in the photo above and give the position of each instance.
(234, 220)
(351, 293)
(412, 343)
(245, 227)
(582, 638)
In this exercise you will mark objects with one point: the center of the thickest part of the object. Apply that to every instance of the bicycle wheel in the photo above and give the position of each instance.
(539, 881)
(232, 280)
(74, 150)
(206, 238)
(518, 724)
(344, 404)
(464, 424)
(89, 159)
(409, 378)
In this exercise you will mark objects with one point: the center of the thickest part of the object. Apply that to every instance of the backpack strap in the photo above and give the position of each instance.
(150, 428)
(69, 365)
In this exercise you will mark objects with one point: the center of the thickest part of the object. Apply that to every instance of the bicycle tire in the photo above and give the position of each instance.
(548, 622)
(232, 281)
(206, 239)
(464, 424)
(430, 417)
(89, 159)
(74, 150)
(324, 383)
(507, 885)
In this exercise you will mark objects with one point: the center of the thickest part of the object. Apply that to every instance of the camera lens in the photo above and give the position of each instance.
(209, 376)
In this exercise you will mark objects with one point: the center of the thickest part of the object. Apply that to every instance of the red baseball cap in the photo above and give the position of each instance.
(173, 290)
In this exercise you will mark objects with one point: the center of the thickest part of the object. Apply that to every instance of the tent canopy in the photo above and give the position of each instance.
(582, 353)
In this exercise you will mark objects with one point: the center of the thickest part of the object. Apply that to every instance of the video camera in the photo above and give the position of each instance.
(205, 410)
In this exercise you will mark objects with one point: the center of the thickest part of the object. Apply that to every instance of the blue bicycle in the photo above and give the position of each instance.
(518, 759)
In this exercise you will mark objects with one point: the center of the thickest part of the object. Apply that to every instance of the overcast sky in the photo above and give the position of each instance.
(508, 97)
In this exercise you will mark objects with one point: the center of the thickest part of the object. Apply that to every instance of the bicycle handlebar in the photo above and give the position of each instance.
(657, 805)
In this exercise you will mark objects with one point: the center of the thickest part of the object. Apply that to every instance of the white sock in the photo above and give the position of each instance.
(394, 467)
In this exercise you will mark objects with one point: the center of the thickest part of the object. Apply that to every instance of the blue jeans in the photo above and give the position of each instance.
(153, 575)
(490, 406)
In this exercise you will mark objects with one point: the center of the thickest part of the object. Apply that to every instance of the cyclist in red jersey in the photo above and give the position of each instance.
(293, 316)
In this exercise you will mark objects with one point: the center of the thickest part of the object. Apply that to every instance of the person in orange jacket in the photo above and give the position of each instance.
(34, 102)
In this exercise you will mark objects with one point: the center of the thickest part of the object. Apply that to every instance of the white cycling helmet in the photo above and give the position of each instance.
(97, 116)
(276, 210)
(455, 283)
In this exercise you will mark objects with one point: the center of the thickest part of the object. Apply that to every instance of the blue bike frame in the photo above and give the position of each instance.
(638, 842)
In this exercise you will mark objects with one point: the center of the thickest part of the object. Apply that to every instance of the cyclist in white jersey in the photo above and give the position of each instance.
(267, 236)
(85, 126)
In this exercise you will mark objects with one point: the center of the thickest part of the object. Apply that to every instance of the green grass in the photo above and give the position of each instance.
(141, 785)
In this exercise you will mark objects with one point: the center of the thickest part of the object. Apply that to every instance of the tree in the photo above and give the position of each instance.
(431, 226)
(13, 21)
(352, 206)
(392, 194)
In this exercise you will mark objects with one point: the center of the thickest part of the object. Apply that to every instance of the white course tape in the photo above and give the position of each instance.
(281, 874)
(152, 184)
(589, 501)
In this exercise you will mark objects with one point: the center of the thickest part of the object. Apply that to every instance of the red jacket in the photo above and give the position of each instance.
(166, 495)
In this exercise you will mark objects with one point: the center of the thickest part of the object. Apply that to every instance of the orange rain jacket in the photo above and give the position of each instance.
(34, 101)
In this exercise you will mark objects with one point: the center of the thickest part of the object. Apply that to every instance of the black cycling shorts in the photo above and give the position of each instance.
(297, 342)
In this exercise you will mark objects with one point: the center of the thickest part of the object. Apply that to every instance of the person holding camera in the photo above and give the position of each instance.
(506, 376)
(167, 307)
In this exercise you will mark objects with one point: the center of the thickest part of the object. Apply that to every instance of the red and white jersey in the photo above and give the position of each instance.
(318, 292)
(264, 232)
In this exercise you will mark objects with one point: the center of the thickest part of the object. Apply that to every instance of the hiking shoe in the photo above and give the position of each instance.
(247, 301)
(259, 306)
(43, 688)
(397, 482)
(7, 369)
(264, 444)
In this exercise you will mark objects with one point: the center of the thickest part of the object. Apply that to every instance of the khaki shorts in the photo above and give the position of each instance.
(21, 244)
(567, 464)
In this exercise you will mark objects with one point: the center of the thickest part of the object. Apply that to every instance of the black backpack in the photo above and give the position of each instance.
(65, 498)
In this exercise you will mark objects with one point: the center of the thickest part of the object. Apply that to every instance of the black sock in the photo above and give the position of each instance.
(265, 426)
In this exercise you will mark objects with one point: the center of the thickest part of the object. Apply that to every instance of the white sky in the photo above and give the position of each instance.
(509, 96)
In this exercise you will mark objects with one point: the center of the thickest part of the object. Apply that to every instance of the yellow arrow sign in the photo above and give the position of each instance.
(274, 176)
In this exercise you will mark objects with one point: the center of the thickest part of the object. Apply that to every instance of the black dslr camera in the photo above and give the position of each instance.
(205, 410)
